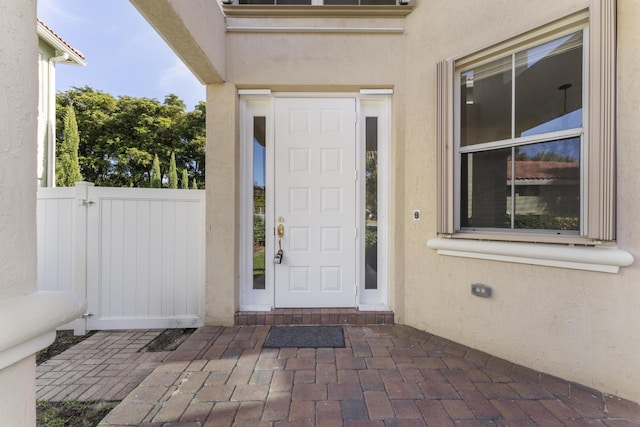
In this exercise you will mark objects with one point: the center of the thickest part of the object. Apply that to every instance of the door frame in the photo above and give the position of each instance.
(260, 103)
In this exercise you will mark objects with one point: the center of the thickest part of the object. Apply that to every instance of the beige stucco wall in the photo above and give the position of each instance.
(569, 323)
(576, 325)
(221, 289)
(18, 133)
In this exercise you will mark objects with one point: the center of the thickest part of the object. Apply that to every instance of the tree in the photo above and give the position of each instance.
(119, 137)
(184, 182)
(173, 172)
(67, 167)
(156, 176)
(194, 184)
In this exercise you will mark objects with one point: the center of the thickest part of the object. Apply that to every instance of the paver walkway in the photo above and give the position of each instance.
(386, 376)
(106, 366)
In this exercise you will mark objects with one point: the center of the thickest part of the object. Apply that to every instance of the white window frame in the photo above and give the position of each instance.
(516, 141)
(254, 104)
(375, 105)
(598, 220)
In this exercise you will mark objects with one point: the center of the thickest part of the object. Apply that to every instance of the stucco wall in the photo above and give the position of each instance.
(18, 133)
(576, 325)
(323, 61)
(221, 288)
(569, 323)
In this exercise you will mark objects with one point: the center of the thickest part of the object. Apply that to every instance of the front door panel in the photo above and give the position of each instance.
(315, 201)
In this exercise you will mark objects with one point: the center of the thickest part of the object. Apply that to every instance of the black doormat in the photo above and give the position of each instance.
(305, 336)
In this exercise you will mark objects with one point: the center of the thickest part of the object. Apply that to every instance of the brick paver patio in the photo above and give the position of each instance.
(386, 376)
(106, 366)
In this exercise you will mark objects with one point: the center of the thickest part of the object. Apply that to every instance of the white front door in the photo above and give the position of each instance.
(315, 201)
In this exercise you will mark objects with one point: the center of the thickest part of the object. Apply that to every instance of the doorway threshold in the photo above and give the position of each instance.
(314, 316)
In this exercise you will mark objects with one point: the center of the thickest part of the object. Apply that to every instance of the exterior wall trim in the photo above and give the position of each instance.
(280, 29)
(601, 259)
(38, 314)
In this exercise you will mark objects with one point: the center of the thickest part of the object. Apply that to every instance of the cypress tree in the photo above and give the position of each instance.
(194, 185)
(173, 172)
(68, 168)
(184, 182)
(156, 178)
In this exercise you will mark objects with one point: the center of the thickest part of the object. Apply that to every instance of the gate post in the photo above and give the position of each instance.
(79, 248)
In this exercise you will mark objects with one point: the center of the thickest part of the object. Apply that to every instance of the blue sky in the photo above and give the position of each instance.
(124, 55)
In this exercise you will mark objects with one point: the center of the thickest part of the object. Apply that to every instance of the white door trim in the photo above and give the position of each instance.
(262, 105)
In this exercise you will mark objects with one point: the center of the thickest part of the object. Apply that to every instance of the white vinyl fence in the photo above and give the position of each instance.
(136, 255)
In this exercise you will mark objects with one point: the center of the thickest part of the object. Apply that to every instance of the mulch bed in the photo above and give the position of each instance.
(64, 340)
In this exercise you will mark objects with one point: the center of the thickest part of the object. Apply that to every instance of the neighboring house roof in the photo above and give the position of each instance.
(531, 169)
(60, 45)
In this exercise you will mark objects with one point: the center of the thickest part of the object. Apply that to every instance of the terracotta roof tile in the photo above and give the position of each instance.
(530, 169)
(76, 51)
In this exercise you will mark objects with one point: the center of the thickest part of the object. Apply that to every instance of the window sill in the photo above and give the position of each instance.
(601, 259)
(257, 11)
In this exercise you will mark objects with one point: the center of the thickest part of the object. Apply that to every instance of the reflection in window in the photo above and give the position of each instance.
(277, 2)
(515, 173)
(542, 187)
(485, 113)
(371, 204)
(548, 87)
(546, 188)
(483, 197)
(326, 2)
(259, 180)
(360, 2)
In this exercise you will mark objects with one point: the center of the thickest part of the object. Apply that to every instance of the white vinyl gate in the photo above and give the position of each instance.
(136, 255)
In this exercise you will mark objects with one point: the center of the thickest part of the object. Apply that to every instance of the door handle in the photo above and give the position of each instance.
(280, 232)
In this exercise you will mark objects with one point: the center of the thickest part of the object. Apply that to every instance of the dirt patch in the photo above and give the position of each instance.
(169, 340)
(64, 340)
(71, 414)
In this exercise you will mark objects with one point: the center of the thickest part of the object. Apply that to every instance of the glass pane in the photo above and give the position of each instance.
(259, 180)
(279, 2)
(360, 2)
(484, 192)
(547, 185)
(371, 204)
(548, 87)
(485, 104)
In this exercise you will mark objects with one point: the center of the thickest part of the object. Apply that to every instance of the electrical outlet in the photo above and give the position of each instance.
(480, 290)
